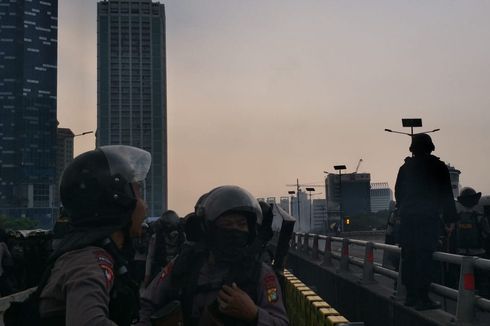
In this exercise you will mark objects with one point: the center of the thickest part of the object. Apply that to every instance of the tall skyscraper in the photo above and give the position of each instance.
(131, 86)
(454, 175)
(64, 155)
(28, 67)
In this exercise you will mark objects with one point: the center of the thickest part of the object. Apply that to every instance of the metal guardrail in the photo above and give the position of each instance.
(466, 299)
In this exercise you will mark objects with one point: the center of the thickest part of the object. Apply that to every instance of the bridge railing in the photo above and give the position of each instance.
(466, 298)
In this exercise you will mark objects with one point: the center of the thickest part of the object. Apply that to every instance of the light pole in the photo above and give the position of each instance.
(411, 123)
(84, 133)
(310, 190)
(340, 168)
(325, 216)
(291, 192)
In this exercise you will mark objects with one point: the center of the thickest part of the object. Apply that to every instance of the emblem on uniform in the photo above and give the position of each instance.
(105, 264)
(272, 295)
(271, 288)
(108, 273)
(166, 271)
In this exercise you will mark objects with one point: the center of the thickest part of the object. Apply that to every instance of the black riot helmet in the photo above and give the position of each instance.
(421, 144)
(96, 187)
(169, 220)
(469, 197)
(229, 199)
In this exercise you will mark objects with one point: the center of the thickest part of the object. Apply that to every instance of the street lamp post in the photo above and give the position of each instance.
(291, 192)
(310, 190)
(411, 123)
(84, 133)
(340, 168)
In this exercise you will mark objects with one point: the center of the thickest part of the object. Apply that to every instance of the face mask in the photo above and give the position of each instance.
(229, 245)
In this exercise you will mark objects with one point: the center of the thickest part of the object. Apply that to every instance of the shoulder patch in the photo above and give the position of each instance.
(166, 271)
(105, 262)
(270, 283)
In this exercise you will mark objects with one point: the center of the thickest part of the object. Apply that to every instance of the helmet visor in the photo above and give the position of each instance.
(130, 162)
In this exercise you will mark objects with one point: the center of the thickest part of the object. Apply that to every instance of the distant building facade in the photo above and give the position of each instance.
(131, 84)
(319, 214)
(303, 216)
(271, 200)
(64, 155)
(454, 175)
(285, 203)
(381, 196)
(28, 81)
(354, 193)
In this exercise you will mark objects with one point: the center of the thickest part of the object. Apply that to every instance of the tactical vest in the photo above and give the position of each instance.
(468, 231)
(185, 287)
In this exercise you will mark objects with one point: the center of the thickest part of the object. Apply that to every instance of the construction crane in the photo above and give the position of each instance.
(358, 165)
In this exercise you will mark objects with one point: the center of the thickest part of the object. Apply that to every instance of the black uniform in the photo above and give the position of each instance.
(423, 192)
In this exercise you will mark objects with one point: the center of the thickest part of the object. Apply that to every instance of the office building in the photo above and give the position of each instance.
(271, 200)
(353, 193)
(303, 216)
(319, 216)
(381, 196)
(28, 80)
(454, 175)
(284, 203)
(131, 86)
(64, 155)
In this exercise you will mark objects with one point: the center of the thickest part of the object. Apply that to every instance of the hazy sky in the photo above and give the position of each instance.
(261, 92)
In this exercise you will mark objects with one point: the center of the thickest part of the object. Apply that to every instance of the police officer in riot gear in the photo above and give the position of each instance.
(88, 281)
(472, 228)
(423, 193)
(219, 279)
(166, 242)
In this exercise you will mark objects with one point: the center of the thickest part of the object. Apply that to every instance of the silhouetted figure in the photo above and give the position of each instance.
(165, 243)
(472, 230)
(140, 244)
(423, 194)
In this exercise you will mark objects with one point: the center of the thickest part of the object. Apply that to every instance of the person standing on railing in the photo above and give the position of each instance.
(423, 193)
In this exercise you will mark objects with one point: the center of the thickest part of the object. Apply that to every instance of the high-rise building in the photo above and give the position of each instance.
(64, 151)
(131, 84)
(353, 192)
(284, 203)
(303, 216)
(28, 72)
(64, 155)
(454, 175)
(319, 216)
(381, 196)
(271, 200)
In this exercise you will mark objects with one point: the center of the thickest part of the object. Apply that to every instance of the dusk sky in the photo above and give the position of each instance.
(261, 92)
